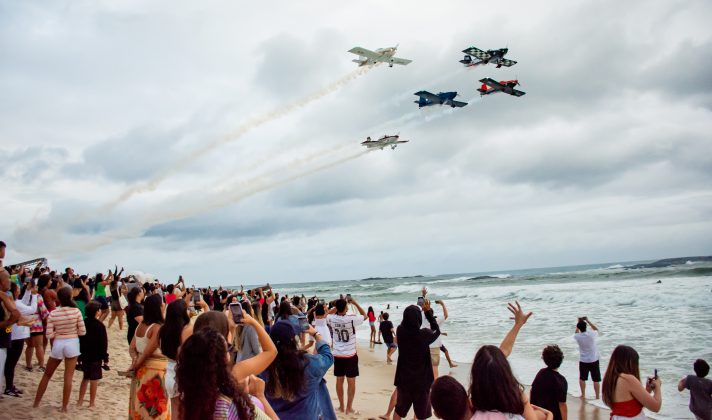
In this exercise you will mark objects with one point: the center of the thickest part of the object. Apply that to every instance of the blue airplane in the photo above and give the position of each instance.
(442, 98)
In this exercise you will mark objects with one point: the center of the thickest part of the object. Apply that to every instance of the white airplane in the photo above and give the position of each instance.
(381, 55)
(384, 141)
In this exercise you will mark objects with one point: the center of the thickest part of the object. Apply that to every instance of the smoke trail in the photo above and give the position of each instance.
(227, 194)
(253, 123)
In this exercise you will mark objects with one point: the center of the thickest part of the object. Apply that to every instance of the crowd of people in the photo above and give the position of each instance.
(199, 353)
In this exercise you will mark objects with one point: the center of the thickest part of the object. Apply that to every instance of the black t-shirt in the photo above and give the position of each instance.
(387, 331)
(548, 390)
(134, 310)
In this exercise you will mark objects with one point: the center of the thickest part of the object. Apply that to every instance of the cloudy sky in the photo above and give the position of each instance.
(220, 140)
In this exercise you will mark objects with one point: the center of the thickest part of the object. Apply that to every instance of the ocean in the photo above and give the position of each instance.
(665, 313)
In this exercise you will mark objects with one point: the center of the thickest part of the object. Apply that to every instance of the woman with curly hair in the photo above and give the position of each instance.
(295, 385)
(206, 387)
(148, 396)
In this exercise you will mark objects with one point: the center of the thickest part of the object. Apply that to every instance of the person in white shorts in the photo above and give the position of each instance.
(64, 326)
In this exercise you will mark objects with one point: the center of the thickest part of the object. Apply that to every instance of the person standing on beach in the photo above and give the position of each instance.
(414, 372)
(8, 316)
(386, 330)
(589, 356)
(700, 390)
(343, 327)
(623, 392)
(549, 387)
(64, 327)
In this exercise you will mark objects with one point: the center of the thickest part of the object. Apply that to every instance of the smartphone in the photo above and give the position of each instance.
(421, 301)
(196, 296)
(303, 323)
(348, 297)
(322, 302)
(236, 311)
(655, 374)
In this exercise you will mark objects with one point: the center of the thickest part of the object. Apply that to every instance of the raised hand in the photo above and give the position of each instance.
(520, 318)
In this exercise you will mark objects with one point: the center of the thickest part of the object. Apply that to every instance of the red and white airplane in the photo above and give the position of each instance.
(384, 141)
(490, 86)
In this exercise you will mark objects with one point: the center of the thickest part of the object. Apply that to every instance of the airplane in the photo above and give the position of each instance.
(442, 98)
(486, 57)
(490, 86)
(381, 55)
(384, 141)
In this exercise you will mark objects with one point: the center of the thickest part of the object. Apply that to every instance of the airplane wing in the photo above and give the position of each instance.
(492, 83)
(429, 96)
(458, 104)
(517, 93)
(401, 61)
(476, 52)
(507, 63)
(364, 53)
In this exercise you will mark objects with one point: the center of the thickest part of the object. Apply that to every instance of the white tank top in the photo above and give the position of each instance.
(141, 342)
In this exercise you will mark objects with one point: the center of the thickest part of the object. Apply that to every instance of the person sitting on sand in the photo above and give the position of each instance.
(622, 390)
(700, 390)
(295, 385)
(94, 346)
(549, 387)
(414, 372)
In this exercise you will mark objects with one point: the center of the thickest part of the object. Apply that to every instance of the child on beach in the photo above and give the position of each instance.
(94, 351)
(388, 334)
(549, 387)
(700, 390)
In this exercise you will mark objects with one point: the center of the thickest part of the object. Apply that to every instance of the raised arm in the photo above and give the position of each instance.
(434, 326)
(255, 365)
(588, 321)
(520, 318)
(441, 303)
(360, 309)
(651, 402)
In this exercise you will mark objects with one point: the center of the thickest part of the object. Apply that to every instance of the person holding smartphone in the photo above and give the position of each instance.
(589, 356)
(343, 327)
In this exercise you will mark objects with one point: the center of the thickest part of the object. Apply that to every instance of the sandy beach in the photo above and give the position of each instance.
(374, 387)
(375, 384)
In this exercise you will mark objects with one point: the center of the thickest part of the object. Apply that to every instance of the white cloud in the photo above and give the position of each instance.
(605, 158)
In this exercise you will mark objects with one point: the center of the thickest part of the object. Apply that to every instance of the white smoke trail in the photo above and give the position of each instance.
(194, 203)
(152, 184)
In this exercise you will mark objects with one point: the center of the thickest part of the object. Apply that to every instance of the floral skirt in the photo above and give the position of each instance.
(148, 398)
